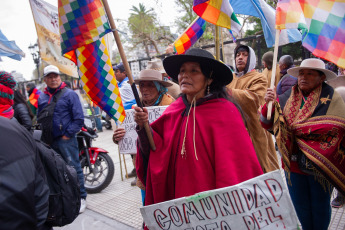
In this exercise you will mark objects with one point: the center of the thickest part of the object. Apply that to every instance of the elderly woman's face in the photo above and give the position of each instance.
(308, 80)
(192, 80)
(148, 90)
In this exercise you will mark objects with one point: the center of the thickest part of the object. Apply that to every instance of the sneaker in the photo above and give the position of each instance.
(82, 205)
(132, 174)
(338, 202)
(134, 183)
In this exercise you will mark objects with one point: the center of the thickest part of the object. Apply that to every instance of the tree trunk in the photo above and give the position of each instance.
(146, 49)
(155, 45)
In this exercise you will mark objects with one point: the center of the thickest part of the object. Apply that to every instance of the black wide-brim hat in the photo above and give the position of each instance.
(222, 74)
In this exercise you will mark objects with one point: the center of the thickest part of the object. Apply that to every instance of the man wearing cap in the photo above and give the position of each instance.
(126, 92)
(248, 87)
(68, 118)
(308, 121)
(173, 89)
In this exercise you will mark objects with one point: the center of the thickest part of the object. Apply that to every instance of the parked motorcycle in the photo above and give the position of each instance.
(97, 165)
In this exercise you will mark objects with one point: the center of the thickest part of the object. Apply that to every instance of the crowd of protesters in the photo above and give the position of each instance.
(215, 130)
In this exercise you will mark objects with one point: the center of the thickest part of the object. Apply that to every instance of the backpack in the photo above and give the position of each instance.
(45, 118)
(64, 197)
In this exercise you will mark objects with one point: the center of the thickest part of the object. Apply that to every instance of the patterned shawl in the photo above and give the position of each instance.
(318, 129)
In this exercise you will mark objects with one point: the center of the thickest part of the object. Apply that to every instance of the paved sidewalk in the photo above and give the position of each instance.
(91, 220)
(117, 206)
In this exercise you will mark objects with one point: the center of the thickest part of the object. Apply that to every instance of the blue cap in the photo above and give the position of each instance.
(120, 67)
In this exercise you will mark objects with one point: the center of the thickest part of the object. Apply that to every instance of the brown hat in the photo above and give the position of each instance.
(151, 75)
(156, 64)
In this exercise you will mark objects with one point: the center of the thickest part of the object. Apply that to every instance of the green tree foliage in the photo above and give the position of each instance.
(141, 23)
(185, 8)
(146, 30)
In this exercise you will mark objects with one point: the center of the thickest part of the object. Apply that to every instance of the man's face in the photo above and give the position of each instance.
(120, 75)
(281, 65)
(309, 79)
(53, 80)
(241, 60)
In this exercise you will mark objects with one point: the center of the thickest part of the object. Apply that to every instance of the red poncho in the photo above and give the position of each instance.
(223, 147)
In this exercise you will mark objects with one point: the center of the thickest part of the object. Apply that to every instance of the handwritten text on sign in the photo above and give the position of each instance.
(260, 203)
(128, 143)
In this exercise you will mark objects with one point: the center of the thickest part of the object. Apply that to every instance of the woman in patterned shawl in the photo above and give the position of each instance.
(309, 120)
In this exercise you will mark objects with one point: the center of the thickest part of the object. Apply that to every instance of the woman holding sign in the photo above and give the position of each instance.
(202, 143)
(153, 92)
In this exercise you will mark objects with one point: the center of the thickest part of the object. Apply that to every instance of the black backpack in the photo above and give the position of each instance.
(64, 197)
(45, 118)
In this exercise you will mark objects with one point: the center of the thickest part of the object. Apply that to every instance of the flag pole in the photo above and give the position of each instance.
(217, 43)
(274, 67)
(222, 44)
(128, 70)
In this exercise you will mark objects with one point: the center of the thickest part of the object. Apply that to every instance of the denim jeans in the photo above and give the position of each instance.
(311, 202)
(97, 119)
(68, 149)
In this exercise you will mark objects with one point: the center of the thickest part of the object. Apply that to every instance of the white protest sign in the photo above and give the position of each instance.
(128, 143)
(260, 203)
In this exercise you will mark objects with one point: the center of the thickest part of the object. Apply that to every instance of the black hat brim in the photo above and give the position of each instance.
(222, 74)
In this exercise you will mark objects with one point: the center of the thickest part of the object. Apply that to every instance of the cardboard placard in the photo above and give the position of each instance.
(259, 203)
(128, 144)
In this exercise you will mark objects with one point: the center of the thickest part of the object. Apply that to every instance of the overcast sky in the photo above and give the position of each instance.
(16, 23)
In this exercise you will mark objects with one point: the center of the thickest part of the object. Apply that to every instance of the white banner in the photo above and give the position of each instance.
(128, 143)
(260, 203)
(46, 19)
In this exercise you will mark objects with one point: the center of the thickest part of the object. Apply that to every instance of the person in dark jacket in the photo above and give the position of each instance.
(22, 111)
(68, 118)
(286, 81)
(24, 192)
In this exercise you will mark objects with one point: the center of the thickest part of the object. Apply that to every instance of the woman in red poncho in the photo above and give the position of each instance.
(201, 140)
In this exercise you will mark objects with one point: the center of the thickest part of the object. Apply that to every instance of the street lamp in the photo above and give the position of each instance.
(34, 50)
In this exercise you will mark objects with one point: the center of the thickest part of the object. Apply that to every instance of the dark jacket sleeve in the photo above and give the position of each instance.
(23, 116)
(24, 193)
(77, 116)
(287, 83)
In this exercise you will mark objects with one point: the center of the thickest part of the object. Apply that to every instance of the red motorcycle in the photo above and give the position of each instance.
(97, 165)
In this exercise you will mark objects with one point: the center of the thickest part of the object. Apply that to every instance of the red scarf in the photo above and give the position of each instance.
(6, 111)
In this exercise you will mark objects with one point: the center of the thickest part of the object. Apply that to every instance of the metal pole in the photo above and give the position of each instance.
(38, 71)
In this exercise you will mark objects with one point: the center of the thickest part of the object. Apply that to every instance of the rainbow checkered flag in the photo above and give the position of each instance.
(190, 36)
(83, 23)
(323, 23)
(217, 12)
